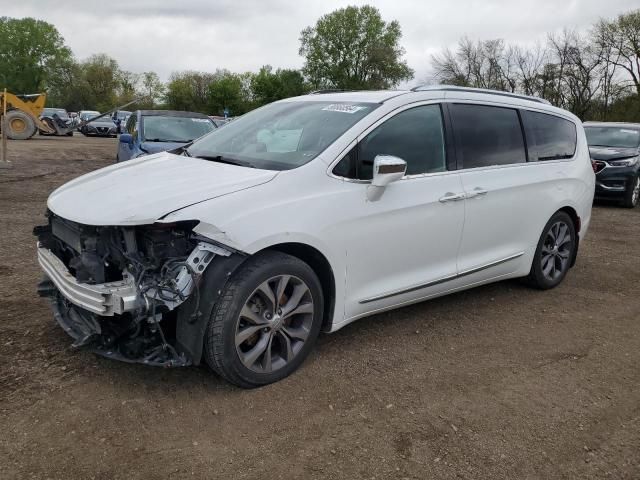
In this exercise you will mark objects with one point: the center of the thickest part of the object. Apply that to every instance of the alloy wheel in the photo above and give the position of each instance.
(635, 194)
(556, 250)
(274, 323)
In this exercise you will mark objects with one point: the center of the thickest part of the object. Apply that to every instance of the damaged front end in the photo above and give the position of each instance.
(133, 293)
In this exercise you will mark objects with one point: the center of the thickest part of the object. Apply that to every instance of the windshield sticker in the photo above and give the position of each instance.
(200, 120)
(344, 108)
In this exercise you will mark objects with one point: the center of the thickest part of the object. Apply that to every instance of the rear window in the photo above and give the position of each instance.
(487, 135)
(554, 138)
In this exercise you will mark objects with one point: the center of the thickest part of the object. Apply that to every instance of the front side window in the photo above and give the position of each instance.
(488, 136)
(617, 137)
(554, 138)
(415, 135)
(282, 135)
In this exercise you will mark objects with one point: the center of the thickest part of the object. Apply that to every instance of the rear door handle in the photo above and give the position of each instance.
(452, 197)
(477, 192)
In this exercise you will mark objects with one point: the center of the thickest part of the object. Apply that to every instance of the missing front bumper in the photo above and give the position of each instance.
(105, 299)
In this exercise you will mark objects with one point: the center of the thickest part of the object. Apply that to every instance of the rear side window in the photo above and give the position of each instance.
(554, 138)
(488, 136)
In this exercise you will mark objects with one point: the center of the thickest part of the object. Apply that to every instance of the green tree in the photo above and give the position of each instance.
(226, 93)
(354, 48)
(101, 81)
(30, 52)
(153, 88)
(189, 91)
(268, 86)
(128, 85)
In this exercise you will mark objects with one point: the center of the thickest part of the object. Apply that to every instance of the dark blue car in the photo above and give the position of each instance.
(153, 131)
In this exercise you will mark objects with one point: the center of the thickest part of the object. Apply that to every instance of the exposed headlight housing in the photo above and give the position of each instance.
(627, 162)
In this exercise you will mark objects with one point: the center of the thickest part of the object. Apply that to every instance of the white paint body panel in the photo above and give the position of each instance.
(405, 239)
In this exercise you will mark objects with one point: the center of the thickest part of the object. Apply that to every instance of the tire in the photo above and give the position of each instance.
(243, 313)
(20, 125)
(632, 193)
(70, 134)
(551, 263)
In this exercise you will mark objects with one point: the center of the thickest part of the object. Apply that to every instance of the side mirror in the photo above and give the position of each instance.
(387, 169)
(126, 138)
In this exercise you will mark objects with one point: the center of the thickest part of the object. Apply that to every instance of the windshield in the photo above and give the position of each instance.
(88, 115)
(282, 135)
(50, 111)
(619, 137)
(174, 129)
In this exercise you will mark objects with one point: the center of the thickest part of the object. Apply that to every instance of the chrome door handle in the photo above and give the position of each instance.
(452, 197)
(477, 192)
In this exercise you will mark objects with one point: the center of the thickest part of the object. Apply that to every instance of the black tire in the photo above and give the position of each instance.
(20, 125)
(220, 350)
(562, 258)
(70, 134)
(632, 193)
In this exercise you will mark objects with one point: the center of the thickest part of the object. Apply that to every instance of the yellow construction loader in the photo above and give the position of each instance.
(24, 116)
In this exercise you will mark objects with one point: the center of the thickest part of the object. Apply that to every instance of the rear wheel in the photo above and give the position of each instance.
(554, 253)
(265, 322)
(20, 125)
(632, 194)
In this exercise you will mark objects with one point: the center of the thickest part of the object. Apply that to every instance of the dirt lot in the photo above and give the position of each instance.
(498, 382)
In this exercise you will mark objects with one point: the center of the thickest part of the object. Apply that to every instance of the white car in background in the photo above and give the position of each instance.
(307, 214)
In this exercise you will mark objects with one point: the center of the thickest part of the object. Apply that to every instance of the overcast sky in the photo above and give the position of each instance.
(240, 35)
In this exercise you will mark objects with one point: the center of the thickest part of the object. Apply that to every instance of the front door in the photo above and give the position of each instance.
(403, 245)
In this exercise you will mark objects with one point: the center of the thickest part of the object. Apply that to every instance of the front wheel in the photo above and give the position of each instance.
(554, 253)
(632, 194)
(266, 320)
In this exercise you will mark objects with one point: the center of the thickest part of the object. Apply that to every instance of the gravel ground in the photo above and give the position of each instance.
(500, 382)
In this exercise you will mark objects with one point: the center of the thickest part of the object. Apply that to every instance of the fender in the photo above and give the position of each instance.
(190, 329)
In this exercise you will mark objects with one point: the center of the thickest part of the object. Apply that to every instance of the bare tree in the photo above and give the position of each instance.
(483, 64)
(622, 38)
(579, 63)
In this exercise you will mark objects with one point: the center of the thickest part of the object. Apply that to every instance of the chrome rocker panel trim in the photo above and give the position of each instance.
(441, 280)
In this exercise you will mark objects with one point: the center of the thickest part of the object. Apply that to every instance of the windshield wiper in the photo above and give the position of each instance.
(168, 140)
(222, 159)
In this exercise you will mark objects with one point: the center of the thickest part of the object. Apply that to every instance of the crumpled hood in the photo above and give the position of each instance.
(612, 153)
(145, 189)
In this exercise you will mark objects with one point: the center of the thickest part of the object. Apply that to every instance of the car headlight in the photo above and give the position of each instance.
(627, 162)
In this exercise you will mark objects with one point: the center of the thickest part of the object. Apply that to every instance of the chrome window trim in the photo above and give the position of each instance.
(373, 126)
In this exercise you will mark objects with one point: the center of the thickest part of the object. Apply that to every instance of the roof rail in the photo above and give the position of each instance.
(329, 90)
(453, 88)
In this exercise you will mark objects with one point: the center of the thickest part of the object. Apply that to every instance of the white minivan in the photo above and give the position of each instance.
(307, 214)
